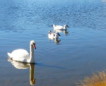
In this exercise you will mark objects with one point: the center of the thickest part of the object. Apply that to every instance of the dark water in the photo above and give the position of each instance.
(79, 54)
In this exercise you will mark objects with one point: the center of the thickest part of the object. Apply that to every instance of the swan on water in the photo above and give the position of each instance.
(60, 27)
(53, 35)
(22, 55)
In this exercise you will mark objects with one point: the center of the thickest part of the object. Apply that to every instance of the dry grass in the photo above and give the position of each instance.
(98, 79)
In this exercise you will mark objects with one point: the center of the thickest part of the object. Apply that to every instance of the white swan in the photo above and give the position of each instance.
(22, 55)
(59, 27)
(53, 35)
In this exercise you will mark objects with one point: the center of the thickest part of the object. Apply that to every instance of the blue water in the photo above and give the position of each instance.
(80, 53)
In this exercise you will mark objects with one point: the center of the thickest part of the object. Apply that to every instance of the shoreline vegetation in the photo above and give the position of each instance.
(97, 79)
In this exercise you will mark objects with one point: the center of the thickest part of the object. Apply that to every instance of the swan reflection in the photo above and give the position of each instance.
(20, 65)
(62, 31)
(56, 41)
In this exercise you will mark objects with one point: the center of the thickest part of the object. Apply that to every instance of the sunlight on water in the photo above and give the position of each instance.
(22, 15)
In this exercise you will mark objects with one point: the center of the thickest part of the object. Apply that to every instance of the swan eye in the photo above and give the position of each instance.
(34, 45)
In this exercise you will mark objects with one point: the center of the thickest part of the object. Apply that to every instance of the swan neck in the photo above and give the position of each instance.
(31, 54)
(64, 27)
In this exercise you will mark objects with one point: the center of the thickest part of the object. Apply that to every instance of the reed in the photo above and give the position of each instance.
(97, 79)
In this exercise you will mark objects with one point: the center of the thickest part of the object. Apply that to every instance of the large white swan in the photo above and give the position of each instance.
(22, 55)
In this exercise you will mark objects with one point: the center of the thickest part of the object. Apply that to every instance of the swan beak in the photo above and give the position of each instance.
(34, 46)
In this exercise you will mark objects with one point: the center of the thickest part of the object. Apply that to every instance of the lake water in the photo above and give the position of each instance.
(80, 53)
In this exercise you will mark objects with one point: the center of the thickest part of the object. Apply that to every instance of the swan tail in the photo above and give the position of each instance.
(9, 54)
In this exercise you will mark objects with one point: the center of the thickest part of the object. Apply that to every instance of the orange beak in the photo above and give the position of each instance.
(34, 46)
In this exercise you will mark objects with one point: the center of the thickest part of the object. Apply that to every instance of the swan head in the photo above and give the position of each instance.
(66, 26)
(33, 44)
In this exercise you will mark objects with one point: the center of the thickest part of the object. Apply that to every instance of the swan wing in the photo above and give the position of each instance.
(51, 36)
(57, 27)
(19, 55)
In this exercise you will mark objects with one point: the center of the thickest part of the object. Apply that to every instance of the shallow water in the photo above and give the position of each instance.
(80, 53)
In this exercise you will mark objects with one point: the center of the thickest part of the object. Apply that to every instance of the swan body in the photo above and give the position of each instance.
(53, 35)
(60, 27)
(22, 55)
(19, 55)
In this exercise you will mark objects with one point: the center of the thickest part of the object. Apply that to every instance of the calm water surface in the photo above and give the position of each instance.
(80, 53)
